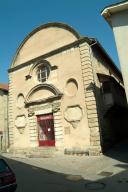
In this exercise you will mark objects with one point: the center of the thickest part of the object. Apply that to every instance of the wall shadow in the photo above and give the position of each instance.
(113, 119)
(35, 179)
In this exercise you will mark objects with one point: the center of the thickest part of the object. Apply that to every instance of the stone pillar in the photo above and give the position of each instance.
(58, 128)
(33, 131)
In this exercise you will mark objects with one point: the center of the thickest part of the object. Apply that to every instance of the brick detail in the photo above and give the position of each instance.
(89, 90)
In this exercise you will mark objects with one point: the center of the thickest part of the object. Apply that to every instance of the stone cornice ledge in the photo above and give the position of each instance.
(48, 99)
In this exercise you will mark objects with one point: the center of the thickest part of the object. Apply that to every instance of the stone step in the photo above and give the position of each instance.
(35, 152)
(43, 153)
(43, 149)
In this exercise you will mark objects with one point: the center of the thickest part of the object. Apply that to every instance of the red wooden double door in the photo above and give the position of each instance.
(46, 134)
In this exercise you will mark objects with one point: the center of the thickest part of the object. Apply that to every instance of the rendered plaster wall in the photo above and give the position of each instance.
(119, 23)
(44, 41)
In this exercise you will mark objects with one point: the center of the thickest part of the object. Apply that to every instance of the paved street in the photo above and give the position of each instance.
(73, 173)
(33, 179)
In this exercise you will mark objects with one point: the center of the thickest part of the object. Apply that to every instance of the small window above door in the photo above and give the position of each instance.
(43, 72)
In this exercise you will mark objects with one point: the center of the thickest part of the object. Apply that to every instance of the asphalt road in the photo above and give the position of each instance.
(110, 174)
(34, 179)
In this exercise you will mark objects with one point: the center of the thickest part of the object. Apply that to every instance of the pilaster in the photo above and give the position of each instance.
(90, 98)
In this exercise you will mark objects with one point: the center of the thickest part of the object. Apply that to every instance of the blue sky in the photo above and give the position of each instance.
(20, 17)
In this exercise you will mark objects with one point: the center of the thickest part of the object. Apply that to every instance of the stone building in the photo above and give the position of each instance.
(3, 117)
(61, 86)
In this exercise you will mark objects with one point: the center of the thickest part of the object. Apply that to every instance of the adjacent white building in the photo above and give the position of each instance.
(117, 17)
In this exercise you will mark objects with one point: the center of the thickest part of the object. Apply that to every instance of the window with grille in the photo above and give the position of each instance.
(42, 73)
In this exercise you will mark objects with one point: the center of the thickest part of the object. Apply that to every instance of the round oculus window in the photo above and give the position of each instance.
(71, 87)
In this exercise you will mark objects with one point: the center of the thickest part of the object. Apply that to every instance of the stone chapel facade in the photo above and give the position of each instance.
(56, 94)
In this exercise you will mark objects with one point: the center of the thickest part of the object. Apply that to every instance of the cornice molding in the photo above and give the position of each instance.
(52, 88)
(51, 53)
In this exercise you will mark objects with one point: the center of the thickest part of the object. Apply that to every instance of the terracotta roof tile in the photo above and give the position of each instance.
(4, 86)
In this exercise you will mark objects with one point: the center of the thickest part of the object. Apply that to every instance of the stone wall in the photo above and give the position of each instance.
(33, 134)
(10, 112)
(3, 120)
(58, 128)
(90, 99)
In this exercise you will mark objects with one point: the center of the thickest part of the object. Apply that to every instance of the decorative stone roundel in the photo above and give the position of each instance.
(20, 100)
(73, 114)
(20, 121)
(71, 87)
